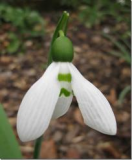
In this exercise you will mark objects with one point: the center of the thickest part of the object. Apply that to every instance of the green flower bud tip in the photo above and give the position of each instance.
(62, 49)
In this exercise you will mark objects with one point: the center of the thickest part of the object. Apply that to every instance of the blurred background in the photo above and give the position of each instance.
(100, 32)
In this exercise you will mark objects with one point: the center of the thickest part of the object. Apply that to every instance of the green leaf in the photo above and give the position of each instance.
(119, 54)
(116, 53)
(14, 43)
(116, 43)
(123, 51)
(123, 93)
(9, 147)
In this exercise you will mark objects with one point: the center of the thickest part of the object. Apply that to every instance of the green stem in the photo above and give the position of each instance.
(37, 147)
(61, 33)
(66, 23)
(60, 29)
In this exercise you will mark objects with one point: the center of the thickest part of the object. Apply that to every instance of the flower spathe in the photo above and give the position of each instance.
(50, 97)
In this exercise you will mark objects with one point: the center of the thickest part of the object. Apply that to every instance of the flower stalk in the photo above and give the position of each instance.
(37, 147)
(61, 33)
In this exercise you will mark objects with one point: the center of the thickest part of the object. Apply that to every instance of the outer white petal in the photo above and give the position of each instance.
(38, 105)
(95, 108)
(62, 106)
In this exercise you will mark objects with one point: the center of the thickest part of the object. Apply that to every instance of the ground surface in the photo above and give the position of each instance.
(68, 137)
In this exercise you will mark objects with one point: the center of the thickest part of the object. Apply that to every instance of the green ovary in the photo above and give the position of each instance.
(62, 50)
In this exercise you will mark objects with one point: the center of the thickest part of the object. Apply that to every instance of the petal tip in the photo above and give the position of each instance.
(112, 130)
(23, 139)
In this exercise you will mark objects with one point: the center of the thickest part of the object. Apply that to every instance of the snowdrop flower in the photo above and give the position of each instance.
(51, 96)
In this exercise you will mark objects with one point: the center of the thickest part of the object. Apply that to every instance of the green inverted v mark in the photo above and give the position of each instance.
(65, 92)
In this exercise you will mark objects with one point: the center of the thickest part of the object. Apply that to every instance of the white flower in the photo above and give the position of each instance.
(50, 97)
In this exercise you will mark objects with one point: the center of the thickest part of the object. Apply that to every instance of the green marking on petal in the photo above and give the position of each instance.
(64, 77)
(65, 92)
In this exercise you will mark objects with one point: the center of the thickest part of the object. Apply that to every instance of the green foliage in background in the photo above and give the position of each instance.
(95, 12)
(123, 93)
(24, 24)
(123, 51)
(72, 3)
(9, 147)
(122, 47)
(14, 43)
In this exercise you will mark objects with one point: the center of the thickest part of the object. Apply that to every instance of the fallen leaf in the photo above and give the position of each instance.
(48, 150)
(78, 116)
(73, 153)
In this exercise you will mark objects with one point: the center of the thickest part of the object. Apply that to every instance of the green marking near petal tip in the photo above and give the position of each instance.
(65, 92)
(64, 77)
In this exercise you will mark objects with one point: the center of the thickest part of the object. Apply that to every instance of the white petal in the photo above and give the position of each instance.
(64, 68)
(38, 105)
(95, 108)
(62, 106)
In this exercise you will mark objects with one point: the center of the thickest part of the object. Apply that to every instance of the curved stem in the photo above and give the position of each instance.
(37, 147)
